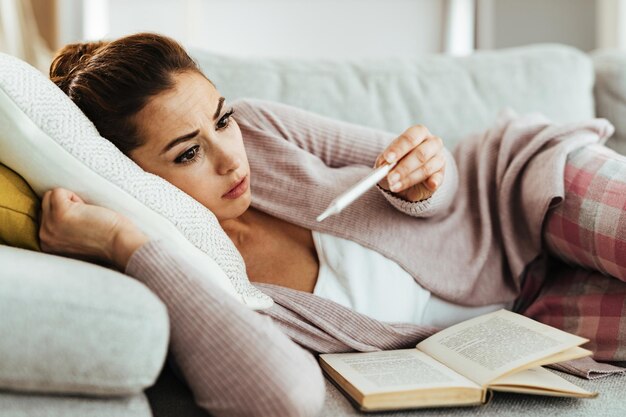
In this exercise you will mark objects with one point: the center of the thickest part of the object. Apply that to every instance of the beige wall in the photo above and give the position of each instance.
(332, 29)
(338, 28)
(46, 17)
(520, 22)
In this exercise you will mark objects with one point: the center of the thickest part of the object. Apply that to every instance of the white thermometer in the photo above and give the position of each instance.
(356, 191)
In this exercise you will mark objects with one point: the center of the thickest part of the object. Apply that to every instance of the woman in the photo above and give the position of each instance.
(147, 96)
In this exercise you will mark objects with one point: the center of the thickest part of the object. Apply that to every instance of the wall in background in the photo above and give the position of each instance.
(507, 23)
(611, 24)
(46, 14)
(333, 29)
(69, 22)
(337, 29)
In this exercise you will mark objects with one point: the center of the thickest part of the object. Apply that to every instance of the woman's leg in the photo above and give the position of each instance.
(589, 227)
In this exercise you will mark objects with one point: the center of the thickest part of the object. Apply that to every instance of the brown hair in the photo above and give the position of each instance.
(112, 81)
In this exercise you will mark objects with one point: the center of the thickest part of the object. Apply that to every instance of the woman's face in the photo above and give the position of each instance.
(191, 140)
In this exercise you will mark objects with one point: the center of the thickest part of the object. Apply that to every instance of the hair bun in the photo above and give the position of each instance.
(71, 57)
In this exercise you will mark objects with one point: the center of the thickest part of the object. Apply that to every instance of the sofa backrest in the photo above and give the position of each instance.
(610, 93)
(453, 96)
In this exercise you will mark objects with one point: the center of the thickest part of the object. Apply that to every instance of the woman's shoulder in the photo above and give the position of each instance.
(267, 113)
(259, 104)
(253, 113)
(255, 107)
(269, 119)
(255, 116)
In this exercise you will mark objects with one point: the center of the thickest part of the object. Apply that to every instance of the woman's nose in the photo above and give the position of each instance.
(227, 161)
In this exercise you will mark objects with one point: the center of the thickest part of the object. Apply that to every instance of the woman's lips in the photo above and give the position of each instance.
(238, 190)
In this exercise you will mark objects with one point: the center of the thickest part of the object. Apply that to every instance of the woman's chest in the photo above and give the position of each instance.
(281, 253)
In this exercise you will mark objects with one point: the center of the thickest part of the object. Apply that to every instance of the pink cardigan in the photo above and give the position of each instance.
(485, 221)
(472, 250)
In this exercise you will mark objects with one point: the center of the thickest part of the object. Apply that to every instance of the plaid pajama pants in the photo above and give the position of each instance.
(589, 227)
(585, 236)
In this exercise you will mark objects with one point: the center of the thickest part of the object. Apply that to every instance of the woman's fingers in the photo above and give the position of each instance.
(420, 174)
(420, 164)
(75, 198)
(45, 203)
(55, 207)
(415, 159)
(43, 226)
(425, 189)
(404, 143)
(60, 197)
(435, 180)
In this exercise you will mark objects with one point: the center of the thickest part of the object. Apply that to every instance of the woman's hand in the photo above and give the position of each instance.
(421, 165)
(71, 227)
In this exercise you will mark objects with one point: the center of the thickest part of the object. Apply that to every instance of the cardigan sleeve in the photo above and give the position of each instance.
(438, 202)
(338, 144)
(236, 362)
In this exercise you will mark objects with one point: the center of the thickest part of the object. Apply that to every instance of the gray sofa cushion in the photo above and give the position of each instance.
(610, 92)
(452, 96)
(72, 327)
(17, 405)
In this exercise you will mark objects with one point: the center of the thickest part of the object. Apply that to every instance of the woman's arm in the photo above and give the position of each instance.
(426, 173)
(236, 361)
(440, 199)
(335, 142)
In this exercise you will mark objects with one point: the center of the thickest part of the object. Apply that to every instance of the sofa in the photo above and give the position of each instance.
(92, 342)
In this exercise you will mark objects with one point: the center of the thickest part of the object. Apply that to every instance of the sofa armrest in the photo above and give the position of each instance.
(610, 93)
(72, 327)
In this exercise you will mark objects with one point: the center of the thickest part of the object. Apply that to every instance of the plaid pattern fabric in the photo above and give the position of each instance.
(586, 303)
(587, 233)
(589, 227)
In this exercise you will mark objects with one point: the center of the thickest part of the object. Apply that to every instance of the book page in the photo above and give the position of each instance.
(393, 370)
(539, 381)
(566, 355)
(489, 346)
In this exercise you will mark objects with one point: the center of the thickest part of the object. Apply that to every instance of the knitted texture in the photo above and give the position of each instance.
(63, 122)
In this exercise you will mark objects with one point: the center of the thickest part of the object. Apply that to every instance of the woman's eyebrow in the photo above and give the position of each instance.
(180, 139)
(219, 108)
(193, 134)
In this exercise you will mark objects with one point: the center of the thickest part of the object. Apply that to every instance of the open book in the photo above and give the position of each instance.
(458, 366)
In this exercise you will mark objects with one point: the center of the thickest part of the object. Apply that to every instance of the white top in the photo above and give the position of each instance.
(372, 284)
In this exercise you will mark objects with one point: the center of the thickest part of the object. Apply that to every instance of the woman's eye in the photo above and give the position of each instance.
(188, 156)
(225, 120)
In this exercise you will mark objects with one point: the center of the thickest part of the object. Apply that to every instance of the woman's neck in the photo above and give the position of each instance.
(239, 228)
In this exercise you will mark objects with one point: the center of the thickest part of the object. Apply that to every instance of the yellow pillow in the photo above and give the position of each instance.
(19, 211)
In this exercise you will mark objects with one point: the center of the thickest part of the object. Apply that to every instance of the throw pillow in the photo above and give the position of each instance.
(19, 211)
(46, 139)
